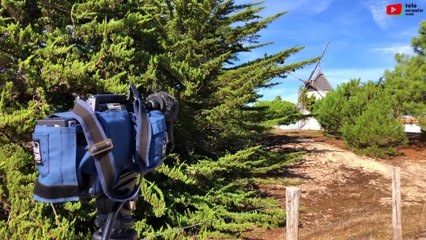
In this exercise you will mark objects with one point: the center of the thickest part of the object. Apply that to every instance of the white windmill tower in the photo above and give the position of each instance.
(316, 85)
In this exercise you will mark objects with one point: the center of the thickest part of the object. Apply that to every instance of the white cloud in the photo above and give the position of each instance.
(309, 7)
(341, 75)
(407, 33)
(392, 50)
(378, 11)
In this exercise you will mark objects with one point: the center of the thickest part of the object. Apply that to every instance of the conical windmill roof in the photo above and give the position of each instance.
(320, 83)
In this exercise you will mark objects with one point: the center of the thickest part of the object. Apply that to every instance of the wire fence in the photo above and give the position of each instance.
(176, 230)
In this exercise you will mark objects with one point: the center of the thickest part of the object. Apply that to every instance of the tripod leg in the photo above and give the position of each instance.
(111, 220)
(121, 228)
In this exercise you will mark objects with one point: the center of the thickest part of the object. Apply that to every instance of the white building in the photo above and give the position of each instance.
(319, 87)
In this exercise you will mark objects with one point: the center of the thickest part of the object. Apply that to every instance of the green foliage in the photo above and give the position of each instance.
(220, 194)
(375, 132)
(419, 43)
(306, 102)
(422, 124)
(333, 111)
(277, 112)
(54, 51)
(406, 83)
(363, 116)
(21, 217)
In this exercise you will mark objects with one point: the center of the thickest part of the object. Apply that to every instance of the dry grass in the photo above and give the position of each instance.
(414, 222)
(375, 224)
(357, 226)
(345, 196)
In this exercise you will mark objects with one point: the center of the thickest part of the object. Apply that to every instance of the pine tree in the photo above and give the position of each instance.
(369, 125)
(51, 52)
(365, 115)
(276, 112)
(333, 111)
(406, 83)
(202, 41)
(362, 114)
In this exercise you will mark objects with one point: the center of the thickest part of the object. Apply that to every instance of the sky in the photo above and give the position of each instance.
(363, 38)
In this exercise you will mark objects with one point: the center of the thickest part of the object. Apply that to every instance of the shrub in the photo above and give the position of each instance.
(422, 124)
(375, 132)
(332, 111)
(363, 115)
(278, 112)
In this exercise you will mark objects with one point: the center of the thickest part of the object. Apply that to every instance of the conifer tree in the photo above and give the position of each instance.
(54, 51)
(202, 40)
(333, 111)
(277, 112)
(361, 113)
(406, 83)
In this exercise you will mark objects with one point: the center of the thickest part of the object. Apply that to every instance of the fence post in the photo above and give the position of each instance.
(292, 211)
(396, 204)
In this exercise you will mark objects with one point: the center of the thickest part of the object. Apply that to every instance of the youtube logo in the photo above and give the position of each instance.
(394, 9)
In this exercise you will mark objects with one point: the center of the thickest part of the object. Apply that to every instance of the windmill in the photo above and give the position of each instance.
(317, 86)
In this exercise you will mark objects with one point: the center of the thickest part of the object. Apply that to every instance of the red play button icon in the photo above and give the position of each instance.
(394, 9)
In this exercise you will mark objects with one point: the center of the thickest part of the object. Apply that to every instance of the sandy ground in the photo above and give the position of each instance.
(347, 196)
(324, 165)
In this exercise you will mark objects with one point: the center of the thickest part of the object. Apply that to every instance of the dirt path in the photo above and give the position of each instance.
(347, 196)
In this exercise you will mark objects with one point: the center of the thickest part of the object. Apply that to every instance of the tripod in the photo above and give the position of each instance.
(114, 219)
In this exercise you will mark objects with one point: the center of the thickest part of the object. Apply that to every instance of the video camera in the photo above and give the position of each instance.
(105, 207)
(99, 149)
